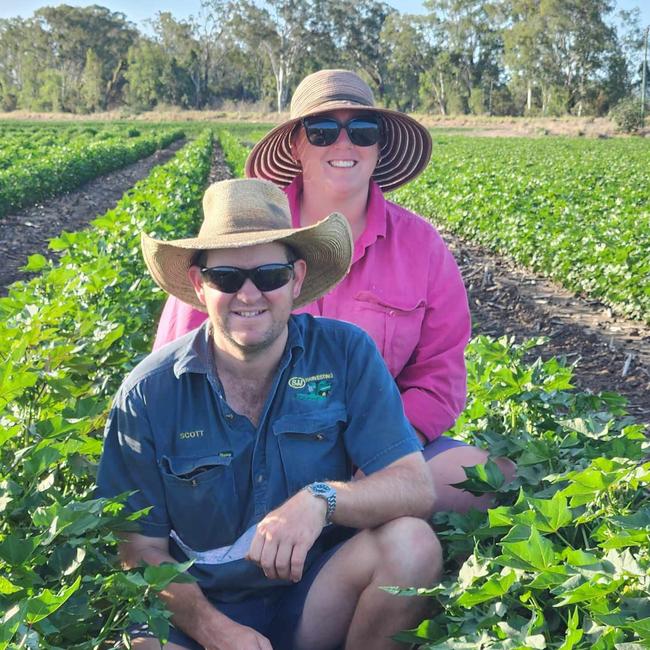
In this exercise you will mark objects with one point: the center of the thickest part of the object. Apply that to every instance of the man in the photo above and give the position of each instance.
(243, 436)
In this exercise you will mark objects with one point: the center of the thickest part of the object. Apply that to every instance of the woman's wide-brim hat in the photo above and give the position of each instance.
(404, 153)
(247, 212)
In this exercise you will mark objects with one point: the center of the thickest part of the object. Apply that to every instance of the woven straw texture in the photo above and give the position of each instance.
(245, 212)
(404, 154)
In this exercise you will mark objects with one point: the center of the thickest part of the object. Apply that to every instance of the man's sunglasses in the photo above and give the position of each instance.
(324, 131)
(230, 279)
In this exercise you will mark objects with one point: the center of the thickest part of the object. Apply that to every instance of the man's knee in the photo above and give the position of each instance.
(409, 546)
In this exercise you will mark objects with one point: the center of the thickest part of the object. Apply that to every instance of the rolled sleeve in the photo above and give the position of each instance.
(129, 463)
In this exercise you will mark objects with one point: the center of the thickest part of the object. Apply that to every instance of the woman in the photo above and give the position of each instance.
(339, 153)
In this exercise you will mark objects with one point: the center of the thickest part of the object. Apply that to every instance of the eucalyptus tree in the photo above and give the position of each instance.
(65, 34)
(279, 30)
(466, 37)
(409, 57)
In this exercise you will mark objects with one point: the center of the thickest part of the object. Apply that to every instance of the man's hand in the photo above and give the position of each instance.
(285, 535)
(239, 637)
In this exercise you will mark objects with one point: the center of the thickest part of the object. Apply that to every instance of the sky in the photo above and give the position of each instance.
(141, 10)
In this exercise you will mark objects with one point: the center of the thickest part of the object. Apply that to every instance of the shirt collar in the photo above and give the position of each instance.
(375, 214)
(197, 354)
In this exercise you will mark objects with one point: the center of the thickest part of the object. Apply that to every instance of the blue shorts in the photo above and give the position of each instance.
(275, 615)
(440, 445)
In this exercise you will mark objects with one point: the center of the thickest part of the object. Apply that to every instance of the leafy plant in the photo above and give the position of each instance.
(56, 169)
(562, 560)
(574, 210)
(628, 115)
(67, 339)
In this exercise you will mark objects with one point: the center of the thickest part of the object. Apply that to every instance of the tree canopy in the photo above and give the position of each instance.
(514, 57)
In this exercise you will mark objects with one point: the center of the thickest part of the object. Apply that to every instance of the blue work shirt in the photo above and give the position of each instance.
(211, 475)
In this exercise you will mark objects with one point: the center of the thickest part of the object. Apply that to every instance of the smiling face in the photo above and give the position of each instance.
(249, 321)
(340, 170)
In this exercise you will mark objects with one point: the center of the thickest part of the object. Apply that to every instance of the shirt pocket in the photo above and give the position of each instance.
(395, 326)
(312, 447)
(201, 499)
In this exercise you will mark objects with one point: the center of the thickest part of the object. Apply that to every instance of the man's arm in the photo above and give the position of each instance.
(403, 488)
(191, 610)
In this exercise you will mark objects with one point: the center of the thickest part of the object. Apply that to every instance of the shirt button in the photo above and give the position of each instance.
(260, 478)
(229, 416)
(319, 436)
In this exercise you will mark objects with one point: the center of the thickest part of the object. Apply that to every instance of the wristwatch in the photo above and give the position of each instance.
(326, 492)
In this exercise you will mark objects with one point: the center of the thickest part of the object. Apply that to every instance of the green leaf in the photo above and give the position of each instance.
(15, 551)
(588, 591)
(10, 621)
(482, 479)
(36, 262)
(47, 602)
(159, 576)
(493, 588)
(573, 633)
(552, 514)
(7, 587)
(536, 552)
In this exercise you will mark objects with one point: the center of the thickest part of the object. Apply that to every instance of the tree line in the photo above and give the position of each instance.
(499, 57)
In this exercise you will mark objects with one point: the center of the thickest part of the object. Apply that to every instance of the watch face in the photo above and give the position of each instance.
(321, 488)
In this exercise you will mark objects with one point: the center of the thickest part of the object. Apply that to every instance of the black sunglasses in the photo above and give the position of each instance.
(230, 279)
(324, 131)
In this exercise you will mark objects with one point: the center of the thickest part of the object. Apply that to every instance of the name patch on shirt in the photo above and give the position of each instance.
(316, 387)
(187, 435)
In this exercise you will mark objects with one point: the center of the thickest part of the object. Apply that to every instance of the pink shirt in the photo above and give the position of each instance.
(405, 290)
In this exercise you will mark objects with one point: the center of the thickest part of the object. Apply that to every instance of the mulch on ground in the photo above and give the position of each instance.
(610, 353)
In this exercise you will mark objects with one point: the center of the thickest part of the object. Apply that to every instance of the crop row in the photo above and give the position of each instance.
(67, 339)
(573, 210)
(64, 168)
(562, 561)
(18, 145)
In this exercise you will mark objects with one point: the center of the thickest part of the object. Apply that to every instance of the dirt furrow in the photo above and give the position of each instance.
(610, 353)
(28, 231)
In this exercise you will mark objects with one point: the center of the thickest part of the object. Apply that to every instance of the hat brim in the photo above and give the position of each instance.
(325, 246)
(405, 153)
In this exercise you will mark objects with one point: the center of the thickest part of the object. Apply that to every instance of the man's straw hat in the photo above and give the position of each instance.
(246, 212)
(404, 153)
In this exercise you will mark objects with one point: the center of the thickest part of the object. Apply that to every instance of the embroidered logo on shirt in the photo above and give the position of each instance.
(186, 435)
(316, 387)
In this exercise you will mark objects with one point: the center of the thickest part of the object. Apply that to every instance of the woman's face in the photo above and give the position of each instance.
(340, 169)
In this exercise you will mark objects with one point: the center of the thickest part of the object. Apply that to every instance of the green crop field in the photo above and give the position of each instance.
(575, 210)
(38, 163)
(561, 562)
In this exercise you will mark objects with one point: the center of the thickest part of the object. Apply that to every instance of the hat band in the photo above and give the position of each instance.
(336, 97)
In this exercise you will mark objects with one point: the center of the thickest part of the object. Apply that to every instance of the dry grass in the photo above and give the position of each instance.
(593, 127)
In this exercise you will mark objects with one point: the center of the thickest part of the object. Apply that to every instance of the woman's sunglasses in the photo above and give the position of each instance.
(324, 131)
(230, 279)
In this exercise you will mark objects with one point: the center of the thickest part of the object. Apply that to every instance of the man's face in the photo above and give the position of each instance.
(249, 321)
(341, 169)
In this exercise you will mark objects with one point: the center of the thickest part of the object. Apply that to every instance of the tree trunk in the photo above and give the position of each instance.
(442, 99)
(279, 86)
(529, 97)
